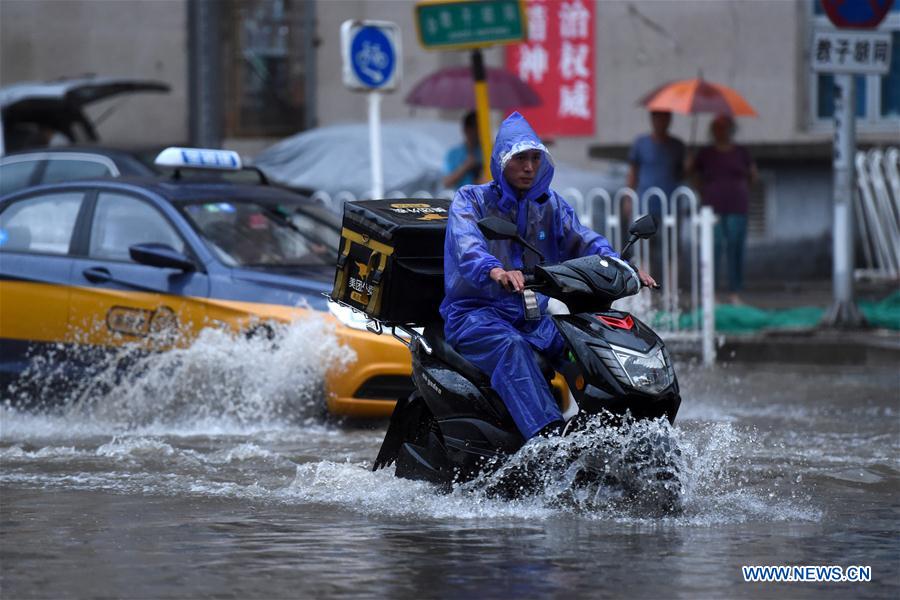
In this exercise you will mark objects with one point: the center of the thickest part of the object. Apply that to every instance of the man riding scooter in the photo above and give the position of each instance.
(487, 317)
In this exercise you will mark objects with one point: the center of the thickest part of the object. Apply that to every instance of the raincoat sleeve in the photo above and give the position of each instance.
(466, 242)
(577, 240)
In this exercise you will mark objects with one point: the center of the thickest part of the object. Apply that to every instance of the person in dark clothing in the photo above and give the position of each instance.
(724, 172)
(483, 311)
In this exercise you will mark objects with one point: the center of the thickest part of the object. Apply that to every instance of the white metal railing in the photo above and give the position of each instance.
(707, 285)
(685, 228)
(877, 212)
(679, 233)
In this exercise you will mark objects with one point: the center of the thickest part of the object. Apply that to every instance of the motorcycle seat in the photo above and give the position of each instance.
(434, 336)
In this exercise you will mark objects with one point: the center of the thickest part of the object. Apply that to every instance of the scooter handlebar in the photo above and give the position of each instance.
(641, 281)
(656, 286)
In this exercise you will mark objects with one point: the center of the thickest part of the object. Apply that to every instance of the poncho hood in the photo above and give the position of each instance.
(516, 135)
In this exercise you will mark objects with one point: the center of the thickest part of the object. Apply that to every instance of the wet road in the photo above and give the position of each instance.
(211, 490)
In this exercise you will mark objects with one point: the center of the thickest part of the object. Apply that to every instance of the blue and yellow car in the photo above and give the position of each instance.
(108, 261)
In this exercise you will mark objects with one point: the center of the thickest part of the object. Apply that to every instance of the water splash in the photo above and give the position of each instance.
(719, 478)
(634, 468)
(221, 383)
(715, 482)
(235, 417)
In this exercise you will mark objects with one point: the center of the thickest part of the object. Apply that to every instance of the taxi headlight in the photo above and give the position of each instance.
(649, 373)
(347, 316)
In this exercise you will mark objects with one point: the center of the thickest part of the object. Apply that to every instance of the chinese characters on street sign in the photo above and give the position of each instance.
(557, 60)
(461, 24)
(845, 51)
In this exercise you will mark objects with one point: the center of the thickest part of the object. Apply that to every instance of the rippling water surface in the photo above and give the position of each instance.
(211, 472)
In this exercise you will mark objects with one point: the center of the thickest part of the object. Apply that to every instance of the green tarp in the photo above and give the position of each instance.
(747, 319)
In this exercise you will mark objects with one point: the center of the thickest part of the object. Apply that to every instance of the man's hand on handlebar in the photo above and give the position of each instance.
(512, 281)
(647, 280)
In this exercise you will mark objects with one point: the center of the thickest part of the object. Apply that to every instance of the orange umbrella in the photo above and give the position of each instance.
(692, 96)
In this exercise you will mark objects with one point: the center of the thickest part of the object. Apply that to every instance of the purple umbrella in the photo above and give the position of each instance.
(452, 87)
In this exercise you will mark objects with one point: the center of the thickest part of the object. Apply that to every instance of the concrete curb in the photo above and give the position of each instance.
(876, 347)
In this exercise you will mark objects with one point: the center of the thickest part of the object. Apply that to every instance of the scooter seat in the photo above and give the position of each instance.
(434, 335)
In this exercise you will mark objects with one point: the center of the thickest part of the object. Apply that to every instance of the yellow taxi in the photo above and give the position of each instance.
(103, 262)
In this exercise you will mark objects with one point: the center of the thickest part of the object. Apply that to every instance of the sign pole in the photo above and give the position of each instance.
(832, 53)
(375, 144)
(371, 54)
(482, 111)
(843, 311)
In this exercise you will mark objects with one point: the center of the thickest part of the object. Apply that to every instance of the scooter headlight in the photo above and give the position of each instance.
(649, 373)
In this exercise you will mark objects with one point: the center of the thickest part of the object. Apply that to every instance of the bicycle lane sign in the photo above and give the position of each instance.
(371, 55)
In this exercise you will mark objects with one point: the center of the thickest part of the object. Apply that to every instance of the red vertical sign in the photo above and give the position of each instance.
(558, 62)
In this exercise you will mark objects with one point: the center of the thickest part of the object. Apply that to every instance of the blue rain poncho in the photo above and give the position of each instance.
(484, 322)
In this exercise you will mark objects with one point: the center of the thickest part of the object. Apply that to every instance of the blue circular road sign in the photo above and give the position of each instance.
(372, 56)
(861, 14)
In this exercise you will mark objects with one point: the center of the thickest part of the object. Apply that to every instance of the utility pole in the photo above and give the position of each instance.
(204, 72)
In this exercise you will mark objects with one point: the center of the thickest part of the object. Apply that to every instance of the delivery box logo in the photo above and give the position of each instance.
(361, 289)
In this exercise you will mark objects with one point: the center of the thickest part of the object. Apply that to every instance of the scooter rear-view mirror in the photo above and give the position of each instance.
(495, 228)
(643, 227)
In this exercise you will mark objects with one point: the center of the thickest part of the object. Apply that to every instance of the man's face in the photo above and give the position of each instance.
(660, 121)
(522, 168)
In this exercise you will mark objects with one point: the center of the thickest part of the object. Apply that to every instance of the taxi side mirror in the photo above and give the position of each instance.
(161, 255)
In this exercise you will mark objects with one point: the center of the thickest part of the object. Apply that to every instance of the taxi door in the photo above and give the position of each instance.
(115, 300)
(36, 233)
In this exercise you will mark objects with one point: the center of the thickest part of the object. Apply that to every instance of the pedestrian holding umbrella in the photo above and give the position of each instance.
(724, 170)
(694, 96)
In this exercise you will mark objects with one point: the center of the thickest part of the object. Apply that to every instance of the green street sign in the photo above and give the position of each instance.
(461, 24)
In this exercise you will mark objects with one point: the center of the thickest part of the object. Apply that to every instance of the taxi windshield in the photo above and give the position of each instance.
(251, 234)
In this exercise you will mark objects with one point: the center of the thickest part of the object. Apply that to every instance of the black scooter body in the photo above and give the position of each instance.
(455, 425)
(605, 388)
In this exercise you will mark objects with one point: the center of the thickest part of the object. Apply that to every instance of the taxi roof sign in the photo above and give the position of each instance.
(199, 158)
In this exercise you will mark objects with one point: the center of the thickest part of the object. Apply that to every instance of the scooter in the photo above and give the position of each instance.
(455, 426)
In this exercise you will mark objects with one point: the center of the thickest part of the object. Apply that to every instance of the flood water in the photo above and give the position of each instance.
(204, 476)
